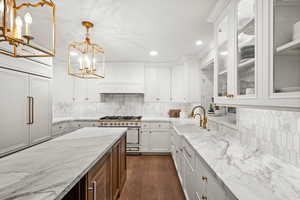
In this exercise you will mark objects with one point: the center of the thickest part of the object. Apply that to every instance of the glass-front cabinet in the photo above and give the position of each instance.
(246, 48)
(257, 45)
(285, 63)
(222, 58)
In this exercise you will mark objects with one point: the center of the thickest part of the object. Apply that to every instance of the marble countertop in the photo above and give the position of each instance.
(49, 170)
(144, 119)
(70, 119)
(248, 173)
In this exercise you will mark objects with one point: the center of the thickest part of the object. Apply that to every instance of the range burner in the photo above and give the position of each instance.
(123, 118)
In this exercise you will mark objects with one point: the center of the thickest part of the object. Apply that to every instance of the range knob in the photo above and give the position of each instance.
(126, 124)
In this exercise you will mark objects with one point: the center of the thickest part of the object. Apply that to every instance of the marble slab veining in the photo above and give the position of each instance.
(49, 170)
(248, 173)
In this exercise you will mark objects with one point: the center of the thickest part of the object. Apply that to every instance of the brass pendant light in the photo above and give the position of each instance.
(16, 42)
(86, 59)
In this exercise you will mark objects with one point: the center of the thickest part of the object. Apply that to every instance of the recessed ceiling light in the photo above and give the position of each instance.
(224, 53)
(199, 42)
(153, 53)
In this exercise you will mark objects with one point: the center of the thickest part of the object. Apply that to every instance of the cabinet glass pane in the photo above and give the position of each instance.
(222, 54)
(246, 48)
(286, 63)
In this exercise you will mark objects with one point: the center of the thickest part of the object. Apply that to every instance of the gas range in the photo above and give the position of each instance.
(133, 123)
(120, 121)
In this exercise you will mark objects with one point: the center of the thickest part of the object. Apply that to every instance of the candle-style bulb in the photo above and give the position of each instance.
(19, 24)
(19, 21)
(28, 18)
(1, 6)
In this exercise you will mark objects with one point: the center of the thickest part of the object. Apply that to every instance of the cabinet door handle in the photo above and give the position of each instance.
(189, 155)
(94, 189)
(29, 110)
(32, 110)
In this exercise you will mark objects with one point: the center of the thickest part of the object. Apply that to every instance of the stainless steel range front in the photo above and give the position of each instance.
(133, 123)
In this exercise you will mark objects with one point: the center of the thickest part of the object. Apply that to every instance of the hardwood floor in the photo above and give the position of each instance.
(151, 178)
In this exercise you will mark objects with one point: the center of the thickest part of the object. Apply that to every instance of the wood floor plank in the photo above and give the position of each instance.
(151, 178)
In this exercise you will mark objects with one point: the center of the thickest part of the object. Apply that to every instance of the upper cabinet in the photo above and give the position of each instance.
(257, 59)
(222, 57)
(157, 83)
(246, 45)
(285, 61)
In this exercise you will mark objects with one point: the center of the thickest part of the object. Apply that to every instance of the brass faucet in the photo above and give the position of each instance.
(203, 120)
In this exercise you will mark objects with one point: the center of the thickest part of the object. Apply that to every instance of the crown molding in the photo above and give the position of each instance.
(220, 6)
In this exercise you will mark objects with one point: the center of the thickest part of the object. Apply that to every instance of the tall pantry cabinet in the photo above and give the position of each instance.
(25, 105)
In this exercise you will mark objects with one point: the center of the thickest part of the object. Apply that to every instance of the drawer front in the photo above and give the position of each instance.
(189, 153)
(146, 125)
(160, 125)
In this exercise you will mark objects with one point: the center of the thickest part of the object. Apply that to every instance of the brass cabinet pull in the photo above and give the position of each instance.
(229, 95)
(29, 110)
(94, 189)
(205, 179)
(32, 109)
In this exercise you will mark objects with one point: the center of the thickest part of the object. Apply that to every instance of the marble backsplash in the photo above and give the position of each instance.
(117, 104)
(275, 132)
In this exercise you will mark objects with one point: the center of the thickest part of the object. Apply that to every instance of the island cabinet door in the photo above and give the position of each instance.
(123, 164)
(99, 180)
(116, 170)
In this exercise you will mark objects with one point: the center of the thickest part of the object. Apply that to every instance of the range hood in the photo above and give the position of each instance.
(121, 88)
(123, 78)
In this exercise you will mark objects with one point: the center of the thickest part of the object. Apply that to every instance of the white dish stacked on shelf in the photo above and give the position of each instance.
(296, 35)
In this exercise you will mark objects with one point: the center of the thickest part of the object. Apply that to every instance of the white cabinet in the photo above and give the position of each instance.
(155, 137)
(188, 178)
(284, 42)
(14, 108)
(257, 54)
(159, 140)
(157, 84)
(40, 91)
(179, 84)
(25, 110)
(197, 179)
(207, 184)
(186, 82)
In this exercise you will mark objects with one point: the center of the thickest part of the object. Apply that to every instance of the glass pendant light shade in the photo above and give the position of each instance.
(86, 59)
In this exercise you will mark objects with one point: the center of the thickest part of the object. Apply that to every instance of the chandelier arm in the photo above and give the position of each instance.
(39, 4)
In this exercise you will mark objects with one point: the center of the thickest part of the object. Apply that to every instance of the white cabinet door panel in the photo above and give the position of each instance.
(179, 84)
(41, 92)
(151, 85)
(164, 87)
(159, 141)
(157, 84)
(144, 141)
(14, 109)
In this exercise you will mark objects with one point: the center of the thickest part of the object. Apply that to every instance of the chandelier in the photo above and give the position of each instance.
(86, 59)
(17, 40)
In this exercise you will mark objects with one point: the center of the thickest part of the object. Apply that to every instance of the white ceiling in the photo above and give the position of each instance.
(129, 29)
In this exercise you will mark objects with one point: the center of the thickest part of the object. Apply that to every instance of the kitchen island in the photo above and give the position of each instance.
(50, 170)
